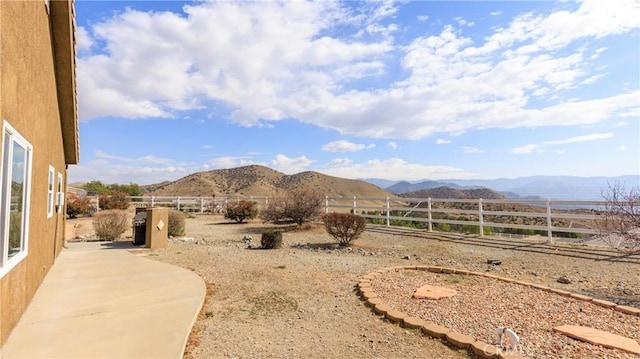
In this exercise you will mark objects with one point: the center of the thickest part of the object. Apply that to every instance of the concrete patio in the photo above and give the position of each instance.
(104, 299)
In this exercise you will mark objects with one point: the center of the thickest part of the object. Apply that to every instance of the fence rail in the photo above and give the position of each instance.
(428, 212)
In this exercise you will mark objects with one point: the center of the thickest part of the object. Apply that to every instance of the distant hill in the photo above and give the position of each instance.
(405, 187)
(258, 180)
(448, 192)
(533, 187)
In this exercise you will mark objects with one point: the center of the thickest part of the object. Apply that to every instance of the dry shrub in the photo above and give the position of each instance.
(176, 223)
(241, 211)
(271, 238)
(344, 227)
(111, 224)
(297, 206)
(619, 222)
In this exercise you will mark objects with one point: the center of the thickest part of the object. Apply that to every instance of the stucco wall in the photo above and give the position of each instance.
(28, 101)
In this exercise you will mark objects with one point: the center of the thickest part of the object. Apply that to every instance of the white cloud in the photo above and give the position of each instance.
(422, 17)
(539, 147)
(495, 13)
(397, 169)
(339, 162)
(150, 159)
(471, 150)
(392, 145)
(255, 70)
(288, 165)
(229, 162)
(441, 141)
(345, 146)
(84, 42)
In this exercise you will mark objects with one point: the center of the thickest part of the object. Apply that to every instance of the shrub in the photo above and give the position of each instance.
(176, 223)
(619, 222)
(297, 206)
(111, 224)
(344, 227)
(78, 206)
(241, 210)
(271, 238)
(117, 200)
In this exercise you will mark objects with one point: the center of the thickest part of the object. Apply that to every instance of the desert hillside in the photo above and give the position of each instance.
(258, 180)
(448, 192)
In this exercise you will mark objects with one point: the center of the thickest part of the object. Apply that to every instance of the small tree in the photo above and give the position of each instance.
(619, 225)
(110, 224)
(344, 227)
(297, 206)
(241, 211)
(117, 200)
(78, 205)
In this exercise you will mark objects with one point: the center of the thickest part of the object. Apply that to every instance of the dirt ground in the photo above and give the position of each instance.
(299, 301)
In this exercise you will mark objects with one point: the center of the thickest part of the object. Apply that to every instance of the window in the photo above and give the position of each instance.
(14, 198)
(60, 195)
(50, 192)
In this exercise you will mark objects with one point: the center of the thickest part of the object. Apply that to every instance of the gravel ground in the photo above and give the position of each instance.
(300, 301)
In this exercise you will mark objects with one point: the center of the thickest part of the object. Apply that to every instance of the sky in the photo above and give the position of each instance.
(407, 90)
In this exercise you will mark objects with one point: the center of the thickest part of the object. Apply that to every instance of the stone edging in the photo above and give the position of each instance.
(481, 349)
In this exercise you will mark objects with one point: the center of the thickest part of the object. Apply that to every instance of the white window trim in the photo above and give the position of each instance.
(7, 264)
(50, 191)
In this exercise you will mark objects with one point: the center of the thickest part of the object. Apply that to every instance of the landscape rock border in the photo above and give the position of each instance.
(481, 349)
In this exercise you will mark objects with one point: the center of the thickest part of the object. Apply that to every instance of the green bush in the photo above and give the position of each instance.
(117, 200)
(344, 227)
(241, 211)
(271, 238)
(176, 223)
(111, 224)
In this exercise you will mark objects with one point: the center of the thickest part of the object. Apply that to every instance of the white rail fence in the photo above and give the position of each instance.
(480, 213)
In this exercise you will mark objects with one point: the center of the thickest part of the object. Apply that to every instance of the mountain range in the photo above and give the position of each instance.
(256, 180)
(533, 187)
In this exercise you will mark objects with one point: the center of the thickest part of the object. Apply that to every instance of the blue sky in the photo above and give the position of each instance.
(358, 89)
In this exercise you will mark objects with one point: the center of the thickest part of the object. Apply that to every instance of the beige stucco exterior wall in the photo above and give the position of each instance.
(29, 102)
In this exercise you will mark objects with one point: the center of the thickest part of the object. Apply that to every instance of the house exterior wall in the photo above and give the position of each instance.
(30, 103)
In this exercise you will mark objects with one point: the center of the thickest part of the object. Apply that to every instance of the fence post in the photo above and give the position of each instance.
(152, 200)
(549, 226)
(388, 213)
(480, 215)
(201, 204)
(429, 214)
(178, 204)
(97, 204)
(326, 204)
(354, 204)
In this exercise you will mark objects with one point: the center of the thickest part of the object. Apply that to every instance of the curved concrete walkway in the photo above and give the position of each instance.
(101, 301)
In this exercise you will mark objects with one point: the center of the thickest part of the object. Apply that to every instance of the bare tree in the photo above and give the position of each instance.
(297, 206)
(619, 225)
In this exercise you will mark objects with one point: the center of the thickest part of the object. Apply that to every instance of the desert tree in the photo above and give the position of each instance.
(344, 227)
(241, 211)
(619, 222)
(298, 206)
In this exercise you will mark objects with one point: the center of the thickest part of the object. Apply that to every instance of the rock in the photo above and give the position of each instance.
(564, 280)
(406, 256)
(494, 262)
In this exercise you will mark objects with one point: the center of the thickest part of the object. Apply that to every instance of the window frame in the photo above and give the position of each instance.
(51, 191)
(60, 195)
(10, 137)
